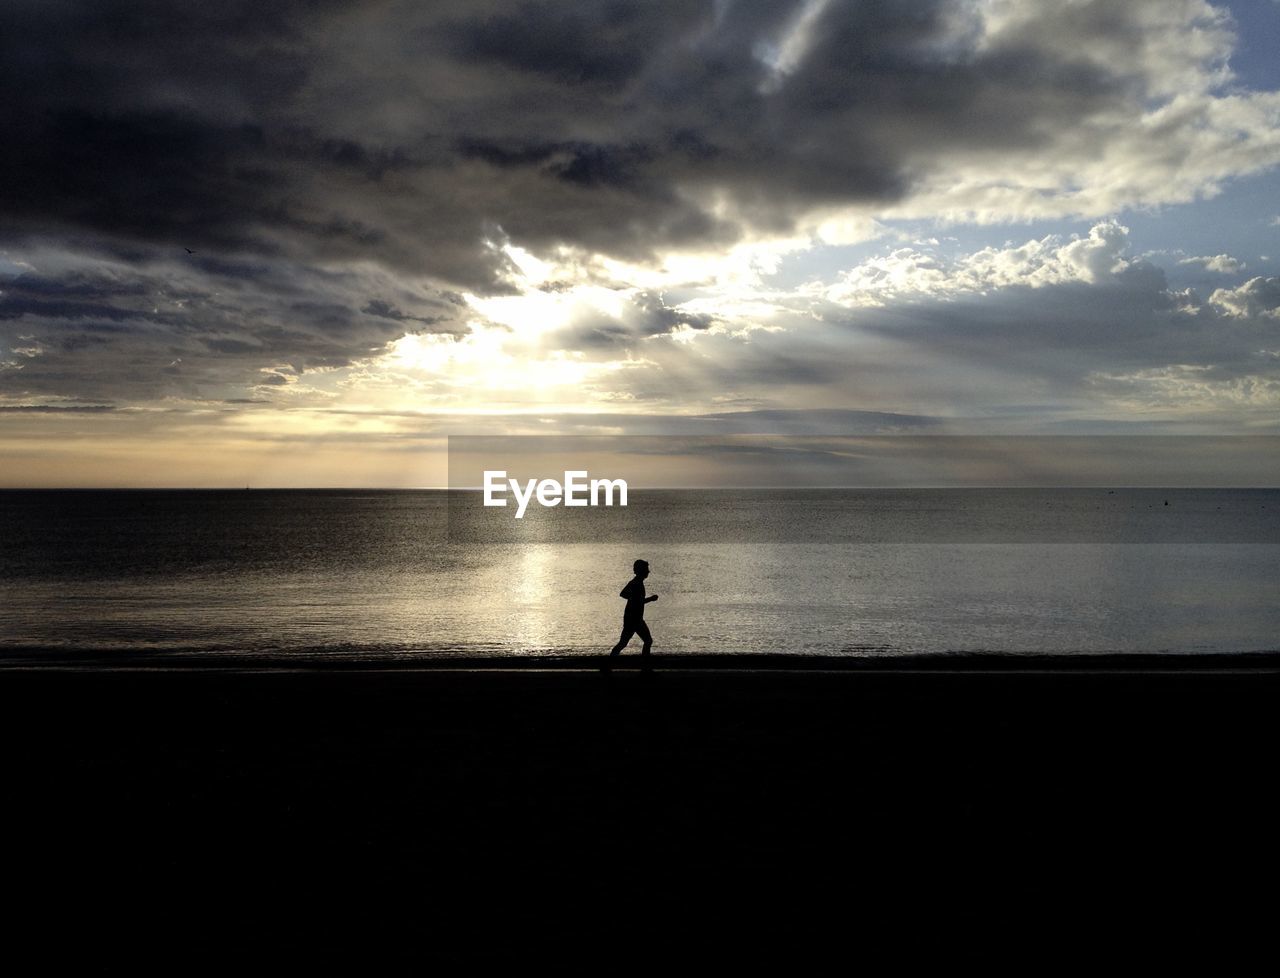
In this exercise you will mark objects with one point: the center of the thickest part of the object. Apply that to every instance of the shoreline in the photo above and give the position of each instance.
(310, 661)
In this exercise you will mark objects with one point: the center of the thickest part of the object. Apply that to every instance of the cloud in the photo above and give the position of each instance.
(1098, 258)
(1257, 297)
(407, 134)
(639, 316)
(147, 326)
(55, 408)
(1223, 264)
(386, 310)
(1057, 327)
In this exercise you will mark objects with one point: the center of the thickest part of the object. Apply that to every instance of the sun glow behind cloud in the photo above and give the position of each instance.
(518, 353)
(487, 370)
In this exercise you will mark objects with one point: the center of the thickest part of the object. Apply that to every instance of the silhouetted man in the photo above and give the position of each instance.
(633, 616)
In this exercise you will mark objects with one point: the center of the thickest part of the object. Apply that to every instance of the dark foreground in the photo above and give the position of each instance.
(771, 815)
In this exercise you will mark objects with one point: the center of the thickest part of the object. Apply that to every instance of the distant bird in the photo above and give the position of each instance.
(188, 251)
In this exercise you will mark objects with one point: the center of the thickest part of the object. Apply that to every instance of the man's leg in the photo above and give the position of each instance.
(627, 631)
(643, 631)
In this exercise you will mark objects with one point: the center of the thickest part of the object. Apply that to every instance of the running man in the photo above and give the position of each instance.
(633, 616)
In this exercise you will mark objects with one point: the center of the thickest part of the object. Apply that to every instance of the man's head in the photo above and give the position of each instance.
(641, 567)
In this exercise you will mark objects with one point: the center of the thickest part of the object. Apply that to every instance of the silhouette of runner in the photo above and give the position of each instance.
(633, 616)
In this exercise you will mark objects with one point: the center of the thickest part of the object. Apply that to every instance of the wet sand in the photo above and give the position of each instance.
(477, 810)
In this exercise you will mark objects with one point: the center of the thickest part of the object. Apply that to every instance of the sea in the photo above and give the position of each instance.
(314, 576)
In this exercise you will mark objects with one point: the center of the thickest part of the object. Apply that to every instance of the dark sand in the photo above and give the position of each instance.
(463, 812)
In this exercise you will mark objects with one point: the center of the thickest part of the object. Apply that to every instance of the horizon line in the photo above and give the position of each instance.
(1110, 486)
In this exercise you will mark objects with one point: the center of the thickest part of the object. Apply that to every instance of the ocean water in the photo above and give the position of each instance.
(163, 575)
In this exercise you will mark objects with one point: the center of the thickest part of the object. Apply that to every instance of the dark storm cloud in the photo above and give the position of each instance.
(602, 44)
(385, 310)
(102, 329)
(405, 132)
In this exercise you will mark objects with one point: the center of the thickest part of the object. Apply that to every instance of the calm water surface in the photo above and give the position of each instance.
(356, 574)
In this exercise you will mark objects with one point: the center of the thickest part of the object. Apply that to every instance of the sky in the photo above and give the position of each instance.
(301, 243)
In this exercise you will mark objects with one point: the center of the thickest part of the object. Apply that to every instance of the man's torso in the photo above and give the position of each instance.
(635, 600)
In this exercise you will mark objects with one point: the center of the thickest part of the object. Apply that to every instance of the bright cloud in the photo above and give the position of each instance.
(1256, 297)
(912, 273)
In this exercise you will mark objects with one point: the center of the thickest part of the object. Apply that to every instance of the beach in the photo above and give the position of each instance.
(483, 810)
